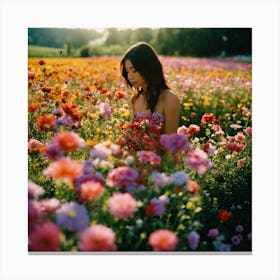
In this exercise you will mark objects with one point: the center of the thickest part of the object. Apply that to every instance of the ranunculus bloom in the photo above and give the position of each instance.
(248, 130)
(68, 141)
(45, 122)
(45, 237)
(163, 240)
(122, 176)
(198, 160)
(174, 142)
(235, 147)
(193, 187)
(65, 169)
(34, 190)
(122, 205)
(240, 137)
(34, 145)
(90, 191)
(223, 215)
(240, 162)
(97, 238)
(149, 157)
(105, 110)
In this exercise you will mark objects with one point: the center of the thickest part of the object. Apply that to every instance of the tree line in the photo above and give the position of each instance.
(199, 42)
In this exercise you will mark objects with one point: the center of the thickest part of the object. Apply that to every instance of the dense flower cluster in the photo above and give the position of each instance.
(101, 181)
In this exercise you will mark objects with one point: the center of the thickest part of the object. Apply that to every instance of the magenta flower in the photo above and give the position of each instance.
(198, 160)
(45, 237)
(122, 176)
(122, 205)
(174, 142)
(97, 238)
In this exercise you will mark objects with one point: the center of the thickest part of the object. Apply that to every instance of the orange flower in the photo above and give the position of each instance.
(33, 107)
(65, 169)
(193, 187)
(224, 215)
(45, 121)
(68, 141)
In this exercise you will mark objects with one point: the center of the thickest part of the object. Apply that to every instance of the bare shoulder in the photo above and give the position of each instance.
(168, 96)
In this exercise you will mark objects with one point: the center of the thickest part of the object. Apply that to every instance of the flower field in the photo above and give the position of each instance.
(98, 182)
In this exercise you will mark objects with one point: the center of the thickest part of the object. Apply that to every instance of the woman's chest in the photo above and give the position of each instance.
(140, 106)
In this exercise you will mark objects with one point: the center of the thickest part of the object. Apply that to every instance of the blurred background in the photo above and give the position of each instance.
(234, 43)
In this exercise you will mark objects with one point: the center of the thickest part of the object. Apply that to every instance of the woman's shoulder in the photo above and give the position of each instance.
(168, 95)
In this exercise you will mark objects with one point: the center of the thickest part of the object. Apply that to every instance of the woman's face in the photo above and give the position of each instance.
(134, 77)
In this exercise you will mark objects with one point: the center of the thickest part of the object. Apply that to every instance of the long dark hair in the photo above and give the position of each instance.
(145, 61)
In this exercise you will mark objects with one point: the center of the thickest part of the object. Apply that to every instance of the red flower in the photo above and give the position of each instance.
(150, 210)
(224, 215)
(42, 62)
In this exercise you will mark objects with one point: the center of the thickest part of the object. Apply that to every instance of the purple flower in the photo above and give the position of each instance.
(174, 142)
(193, 240)
(236, 239)
(214, 232)
(160, 205)
(179, 178)
(53, 152)
(72, 216)
(239, 228)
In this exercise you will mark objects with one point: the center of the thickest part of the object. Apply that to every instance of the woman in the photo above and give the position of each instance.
(143, 73)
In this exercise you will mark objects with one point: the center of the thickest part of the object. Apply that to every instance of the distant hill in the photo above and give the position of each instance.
(59, 37)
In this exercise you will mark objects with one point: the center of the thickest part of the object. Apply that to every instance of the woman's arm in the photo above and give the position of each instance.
(171, 111)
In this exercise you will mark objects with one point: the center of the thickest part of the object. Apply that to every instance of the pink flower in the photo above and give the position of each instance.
(182, 130)
(105, 110)
(34, 145)
(163, 240)
(90, 191)
(122, 176)
(122, 205)
(65, 169)
(174, 142)
(46, 237)
(240, 162)
(34, 190)
(149, 157)
(198, 160)
(248, 130)
(97, 238)
(239, 137)
(49, 205)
